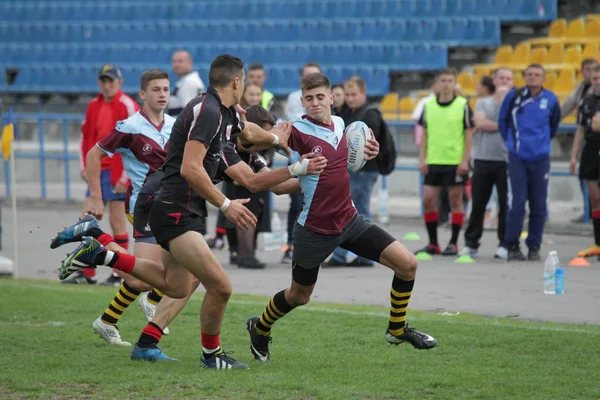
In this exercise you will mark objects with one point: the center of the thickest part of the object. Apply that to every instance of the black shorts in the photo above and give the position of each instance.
(169, 221)
(589, 163)
(141, 215)
(444, 175)
(360, 236)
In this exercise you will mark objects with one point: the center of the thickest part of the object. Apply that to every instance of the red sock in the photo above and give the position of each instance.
(122, 240)
(211, 342)
(124, 262)
(431, 221)
(458, 218)
(89, 272)
(153, 331)
(105, 239)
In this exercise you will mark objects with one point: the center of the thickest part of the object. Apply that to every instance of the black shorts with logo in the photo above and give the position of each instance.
(444, 175)
(169, 221)
(589, 163)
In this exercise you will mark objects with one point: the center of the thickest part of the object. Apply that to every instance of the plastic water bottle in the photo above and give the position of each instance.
(550, 266)
(274, 240)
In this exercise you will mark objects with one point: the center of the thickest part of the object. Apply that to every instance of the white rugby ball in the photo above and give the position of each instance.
(357, 134)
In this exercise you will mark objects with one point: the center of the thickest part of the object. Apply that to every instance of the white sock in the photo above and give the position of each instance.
(209, 352)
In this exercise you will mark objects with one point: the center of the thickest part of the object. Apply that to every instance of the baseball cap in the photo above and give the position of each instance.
(110, 71)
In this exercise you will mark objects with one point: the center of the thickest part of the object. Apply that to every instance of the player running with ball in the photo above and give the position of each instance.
(329, 220)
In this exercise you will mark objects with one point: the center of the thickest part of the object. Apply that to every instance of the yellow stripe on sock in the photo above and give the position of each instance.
(270, 320)
(397, 332)
(260, 332)
(398, 319)
(112, 313)
(123, 299)
(398, 294)
(127, 292)
(400, 302)
(158, 292)
(277, 312)
(398, 310)
(117, 306)
(265, 323)
(273, 311)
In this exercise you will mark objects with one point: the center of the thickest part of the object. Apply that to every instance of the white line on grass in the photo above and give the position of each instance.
(447, 320)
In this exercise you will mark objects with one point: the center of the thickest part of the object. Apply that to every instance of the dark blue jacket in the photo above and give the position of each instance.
(528, 124)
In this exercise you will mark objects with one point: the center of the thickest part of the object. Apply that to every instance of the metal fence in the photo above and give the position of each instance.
(65, 156)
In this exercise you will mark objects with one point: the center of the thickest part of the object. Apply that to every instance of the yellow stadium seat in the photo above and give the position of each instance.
(556, 54)
(407, 105)
(466, 82)
(591, 50)
(389, 103)
(503, 54)
(565, 82)
(576, 28)
(593, 17)
(550, 80)
(573, 55)
(579, 76)
(558, 28)
(521, 54)
(472, 102)
(592, 29)
(518, 79)
(538, 55)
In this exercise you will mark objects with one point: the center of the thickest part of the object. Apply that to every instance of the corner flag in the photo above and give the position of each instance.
(8, 136)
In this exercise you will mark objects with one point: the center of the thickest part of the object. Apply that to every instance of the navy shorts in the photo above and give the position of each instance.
(108, 191)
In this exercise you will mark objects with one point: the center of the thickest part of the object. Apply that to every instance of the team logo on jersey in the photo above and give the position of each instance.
(147, 148)
(317, 150)
(543, 104)
(228, 134)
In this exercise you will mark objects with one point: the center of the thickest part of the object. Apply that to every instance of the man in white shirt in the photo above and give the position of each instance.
(189, 84)
(295, 110)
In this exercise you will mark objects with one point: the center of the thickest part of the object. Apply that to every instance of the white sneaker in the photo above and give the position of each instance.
(149, 309)
(501, 252)
(109, 333)
(467, 251)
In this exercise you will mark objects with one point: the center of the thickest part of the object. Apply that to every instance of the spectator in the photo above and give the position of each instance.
(257, 76)
(361, 182)
(252, 95)
(489, 166)
(189, 83)
(101, 117)
(444, 159)
(588, 130)
(295, 111)
(582, 90)
(338, 99)
(528, 120)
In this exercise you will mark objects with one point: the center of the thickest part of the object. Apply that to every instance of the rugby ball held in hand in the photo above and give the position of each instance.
(357, 134)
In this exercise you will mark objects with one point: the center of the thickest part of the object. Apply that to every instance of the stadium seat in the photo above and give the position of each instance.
(503, 54)
(592, 29)
(556, 53)
(389, 106)
(407, 105)
(539, 55)
(558, 28)
(573, 55)
(519, 81)
(565, 82)
(591, 50)
(576, 29)
(521, 55)
(550, 80)
(472, 102)
(466, 82)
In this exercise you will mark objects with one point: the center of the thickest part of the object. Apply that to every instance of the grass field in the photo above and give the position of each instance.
(324, 351)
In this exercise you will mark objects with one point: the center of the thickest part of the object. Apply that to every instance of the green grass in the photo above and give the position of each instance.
(324, 351)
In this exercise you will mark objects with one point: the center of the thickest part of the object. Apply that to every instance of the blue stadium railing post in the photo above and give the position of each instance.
(42, 155)
(65, 158)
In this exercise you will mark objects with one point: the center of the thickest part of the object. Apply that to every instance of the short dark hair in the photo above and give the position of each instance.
(536, 66)
(501, 69)
(337, 85)
(223, 69)
(358, 82)
(150, 75)
(488, 83)
(314, 81)
(447, 71)
(259, 115)
(309, 64)
(588, 61)
(256, 67)
(596, 68)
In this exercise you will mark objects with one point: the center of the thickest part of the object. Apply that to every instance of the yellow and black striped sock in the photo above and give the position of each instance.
(276, 309)
(124, 297)
(400, 296)
(154, 296)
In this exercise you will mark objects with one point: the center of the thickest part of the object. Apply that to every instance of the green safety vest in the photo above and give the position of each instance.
(445, 131)
(267, 98)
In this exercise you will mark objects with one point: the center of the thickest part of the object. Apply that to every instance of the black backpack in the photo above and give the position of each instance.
(386, 159)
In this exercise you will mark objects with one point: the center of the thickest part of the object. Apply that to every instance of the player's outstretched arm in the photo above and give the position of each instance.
(243, 174)
(94, 165)
(192, 170)
(253, 138)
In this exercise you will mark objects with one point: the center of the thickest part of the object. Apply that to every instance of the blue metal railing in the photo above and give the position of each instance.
(65, 156)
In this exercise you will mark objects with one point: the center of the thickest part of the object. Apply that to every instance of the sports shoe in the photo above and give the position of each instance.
(287, 256)
(259, 344)
(110, 333)
(79, 278)
(83, 256)
(501, 253)
(250, 263)
(469, 251)
(152, 354)
(221, 361)
(419, 340)
(149, 309)
(75, 232)
(112, 280)
(450, 250)
(215, 243)
(533, 254)
(515, 254)
(431, 249)
(593, 250)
